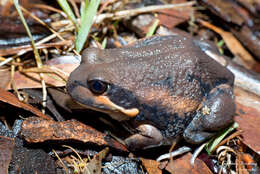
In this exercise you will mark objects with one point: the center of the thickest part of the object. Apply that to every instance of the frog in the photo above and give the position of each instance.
(162, 88)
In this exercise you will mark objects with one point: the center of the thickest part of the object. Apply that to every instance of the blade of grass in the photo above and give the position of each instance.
(152, 28)
(104, 43)
(35, 51)
(87, 17)
(66, 8)
(220, 46)
(215, 141)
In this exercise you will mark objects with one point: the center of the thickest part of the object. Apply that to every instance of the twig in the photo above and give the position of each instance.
(196, 153)
(64, 166)
(12, 82)
(244, 78)
(47, 7)
(133, 12)
(175, 153)
(235, 134)
(48, 69)
(23, 49)
(41, 22)
(6, 61)
(75, 8)
(105, 4)
(44, 24)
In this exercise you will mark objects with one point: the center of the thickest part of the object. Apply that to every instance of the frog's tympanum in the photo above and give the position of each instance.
(166, 87)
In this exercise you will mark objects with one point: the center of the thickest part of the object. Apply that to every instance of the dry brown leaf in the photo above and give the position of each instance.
(6, 150)
(32, 80)
(95, 165)
(151, 166)
(182, 165)
(35, 130)
(172, 17)
(8, 97)
(5, 77)
(233, 44)
(248, 109)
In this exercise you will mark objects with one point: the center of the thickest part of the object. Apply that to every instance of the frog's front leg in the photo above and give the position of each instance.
(216, 113)
(147, 136)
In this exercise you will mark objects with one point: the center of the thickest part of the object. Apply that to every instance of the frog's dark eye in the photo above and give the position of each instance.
(97, 86)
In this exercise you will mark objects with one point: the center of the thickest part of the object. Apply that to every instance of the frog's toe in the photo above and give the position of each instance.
(148, 137)
(196, 137)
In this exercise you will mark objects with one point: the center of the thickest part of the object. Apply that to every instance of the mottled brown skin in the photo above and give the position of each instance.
(165, 87)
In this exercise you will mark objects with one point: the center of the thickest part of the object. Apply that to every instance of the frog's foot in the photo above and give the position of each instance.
(148, 136)
(216, 113)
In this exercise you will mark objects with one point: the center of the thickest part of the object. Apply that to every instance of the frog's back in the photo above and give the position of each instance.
(176, 57)
(186, 49)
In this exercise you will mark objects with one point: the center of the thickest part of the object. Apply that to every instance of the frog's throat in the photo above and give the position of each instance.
(116, 112)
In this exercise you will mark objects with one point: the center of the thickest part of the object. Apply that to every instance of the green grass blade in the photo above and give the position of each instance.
(86, 21)
(104, 43)
(152, 28)
(66, 8)
(37, 56)
(215, 141)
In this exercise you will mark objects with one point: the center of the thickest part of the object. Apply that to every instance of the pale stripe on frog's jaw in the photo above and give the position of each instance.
(102, 104)
(133, 112)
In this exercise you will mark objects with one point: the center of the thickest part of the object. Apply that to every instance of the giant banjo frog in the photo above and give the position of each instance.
(165, 86)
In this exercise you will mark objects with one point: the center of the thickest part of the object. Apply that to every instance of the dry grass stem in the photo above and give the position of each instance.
(133, 12)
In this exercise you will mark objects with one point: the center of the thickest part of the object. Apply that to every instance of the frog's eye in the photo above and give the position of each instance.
(97, 86)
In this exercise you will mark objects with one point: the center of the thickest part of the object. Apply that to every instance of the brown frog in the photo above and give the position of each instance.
(165, 86)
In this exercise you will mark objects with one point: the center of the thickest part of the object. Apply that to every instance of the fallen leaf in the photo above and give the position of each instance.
(182, 165)
(6, 150)
(35, 130)
(248, 109)
(8, 97)
(247, 99)
(95, 164)
(172, 17)
(151, 166)
(249, 122)
(227, 10)
(233, 44)
(252, 5)
(32, 80)
(5, 77)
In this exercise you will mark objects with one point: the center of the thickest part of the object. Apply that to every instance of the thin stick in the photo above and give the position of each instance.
(75, 8)
(47, 7)
(41, 22)
(134, 12)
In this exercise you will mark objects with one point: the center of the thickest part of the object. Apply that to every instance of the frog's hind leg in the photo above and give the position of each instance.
(216, 113)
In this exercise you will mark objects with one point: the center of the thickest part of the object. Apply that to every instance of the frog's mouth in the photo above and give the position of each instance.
(101, 103)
